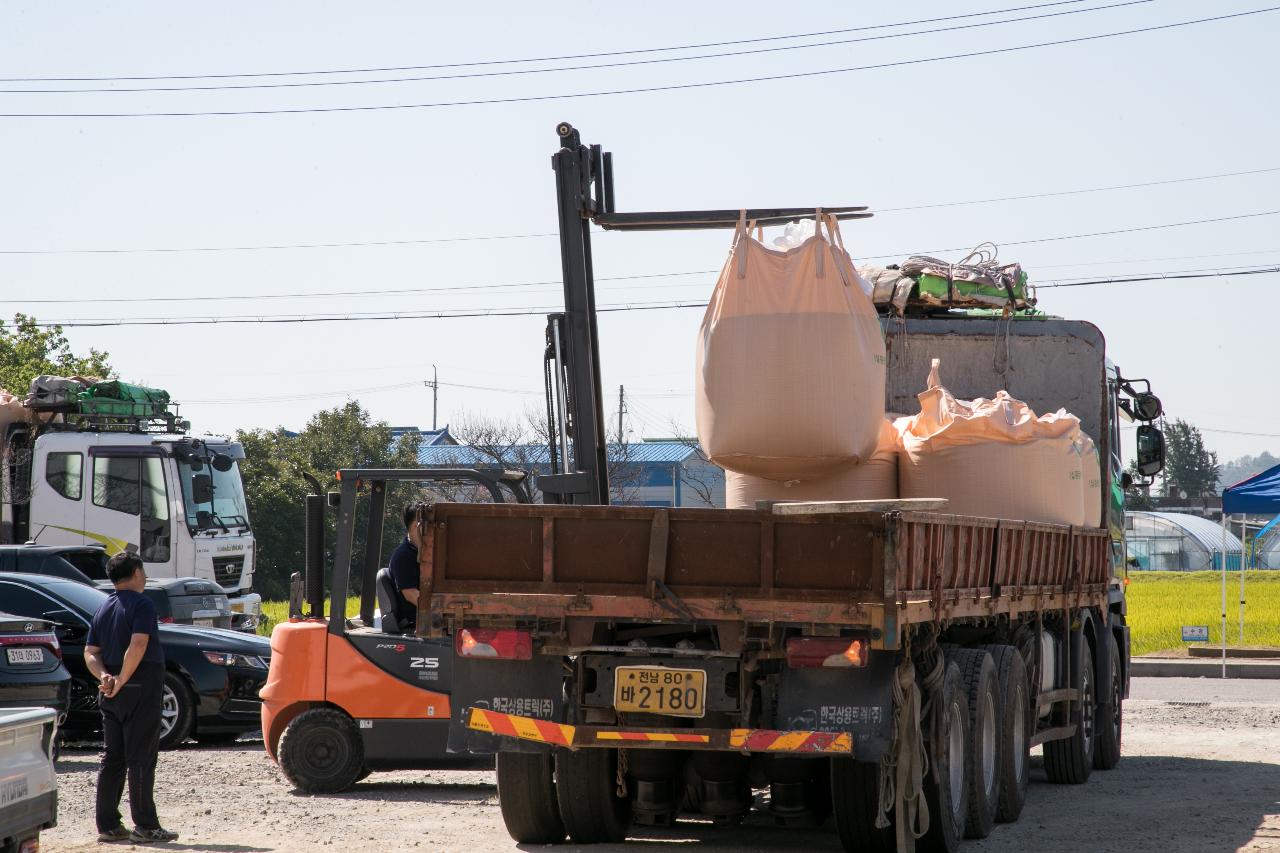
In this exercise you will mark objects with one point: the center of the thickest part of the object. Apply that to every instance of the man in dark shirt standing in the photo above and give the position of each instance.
(123, 652)
(403, 567)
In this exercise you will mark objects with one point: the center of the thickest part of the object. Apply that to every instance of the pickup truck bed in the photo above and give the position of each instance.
(885, 570)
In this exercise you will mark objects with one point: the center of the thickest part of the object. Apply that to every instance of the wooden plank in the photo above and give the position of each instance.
(657, 565)
(829, 507)
(1062, 694)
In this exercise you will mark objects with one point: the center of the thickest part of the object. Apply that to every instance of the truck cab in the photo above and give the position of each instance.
(175, 499)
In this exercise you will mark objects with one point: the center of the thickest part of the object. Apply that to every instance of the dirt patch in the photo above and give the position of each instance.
(1198, 774)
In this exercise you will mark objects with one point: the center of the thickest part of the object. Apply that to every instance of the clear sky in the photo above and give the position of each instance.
(1158, 106)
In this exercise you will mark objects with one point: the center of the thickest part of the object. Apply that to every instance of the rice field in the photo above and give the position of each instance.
(1160, 603)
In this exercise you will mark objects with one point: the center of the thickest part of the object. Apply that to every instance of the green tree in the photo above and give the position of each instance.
(1137, 497)
(275, 460)
(1189, 466)
(28, 350)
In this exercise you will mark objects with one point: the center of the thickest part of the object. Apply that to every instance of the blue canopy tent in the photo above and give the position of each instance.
(1257, 495)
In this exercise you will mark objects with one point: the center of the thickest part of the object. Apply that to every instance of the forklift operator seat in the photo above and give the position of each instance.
(388, 597)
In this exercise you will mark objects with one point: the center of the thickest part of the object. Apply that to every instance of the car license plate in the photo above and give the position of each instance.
(660, 690)
(203, 623)
(25, 655)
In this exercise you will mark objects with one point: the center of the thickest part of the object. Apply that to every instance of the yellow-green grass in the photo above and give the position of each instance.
(1160, 603)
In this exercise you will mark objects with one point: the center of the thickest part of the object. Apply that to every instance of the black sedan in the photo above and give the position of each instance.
(212, 679)
(31, 670)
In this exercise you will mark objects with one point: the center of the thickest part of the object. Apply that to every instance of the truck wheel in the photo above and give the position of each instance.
(527, 797)
(946, 787)
(587, 791)
(1109, 717)
(321, 751)
(1068, 761)
(982, 755)
(1014, 731)
(177, 711)
(855, 799)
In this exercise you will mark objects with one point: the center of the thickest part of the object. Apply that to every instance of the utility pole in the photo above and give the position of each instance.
(434, 384)
(622, 409)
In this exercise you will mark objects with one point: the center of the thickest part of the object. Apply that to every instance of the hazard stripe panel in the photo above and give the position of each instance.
(664, 737)
(525, 728)
(766, 740)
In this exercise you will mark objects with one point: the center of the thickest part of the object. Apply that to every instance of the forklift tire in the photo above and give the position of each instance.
(1109, 717)
(321, 751)
(1016, 726)
(527, 797)
(855, 799)
(946, 786)
(587, 790)
(1069, 760)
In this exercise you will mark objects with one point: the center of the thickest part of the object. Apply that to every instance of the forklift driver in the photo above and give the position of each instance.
(403, 568)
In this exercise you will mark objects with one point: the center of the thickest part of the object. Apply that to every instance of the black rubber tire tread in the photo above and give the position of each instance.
(1011, 672)
(186, 711)
(527, 797)
(1108, 735)
(978, 673)
(855, 798)
(945, 833)
(217, 738)
(586, 789)
(292, 751)
(1068, 761)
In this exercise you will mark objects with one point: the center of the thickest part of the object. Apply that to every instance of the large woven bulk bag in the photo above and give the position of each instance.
(873, 479)
(992, 458)
(1091, 481)
(790, 361)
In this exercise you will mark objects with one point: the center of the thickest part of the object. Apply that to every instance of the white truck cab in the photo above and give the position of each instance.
(174, 498)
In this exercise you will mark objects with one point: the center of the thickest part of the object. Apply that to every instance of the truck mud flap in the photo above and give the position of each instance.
(527, 688)
(857, 701)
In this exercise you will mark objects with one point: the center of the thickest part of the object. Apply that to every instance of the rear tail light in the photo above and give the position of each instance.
(826, 651)
(49, 641)
(165, 620)
(505, 644)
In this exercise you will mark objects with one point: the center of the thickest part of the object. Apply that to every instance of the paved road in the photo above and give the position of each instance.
(1201, 774)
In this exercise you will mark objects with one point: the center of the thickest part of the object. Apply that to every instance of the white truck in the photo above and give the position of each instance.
(127, 475)
(28, 786)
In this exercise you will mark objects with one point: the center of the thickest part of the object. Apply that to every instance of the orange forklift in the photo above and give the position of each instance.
(345, 697)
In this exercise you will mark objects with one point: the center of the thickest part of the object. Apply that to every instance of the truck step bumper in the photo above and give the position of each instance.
(736, 740)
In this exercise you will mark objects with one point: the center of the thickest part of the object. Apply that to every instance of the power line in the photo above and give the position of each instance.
(276, 246)
(368, 389)
(274, 319)
(666, 88)
(590, 67)
(560, 58)
(1030, 196)
(1163, 277)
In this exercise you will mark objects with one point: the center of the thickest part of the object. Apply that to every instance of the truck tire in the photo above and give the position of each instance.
(982, 756)
(527, 797)
(855, 799)
(1069, 760)
(587, 791)
(321, 751)
(1109, 716)
(1015, 731)
(177, 711)
(946, 786)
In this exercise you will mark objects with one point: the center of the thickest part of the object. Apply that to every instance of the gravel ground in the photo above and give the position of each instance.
(1201, 773)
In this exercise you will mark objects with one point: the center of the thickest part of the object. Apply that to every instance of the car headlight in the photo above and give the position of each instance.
(232, 659)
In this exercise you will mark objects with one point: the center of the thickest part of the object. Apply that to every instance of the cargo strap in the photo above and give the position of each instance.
(903, 767)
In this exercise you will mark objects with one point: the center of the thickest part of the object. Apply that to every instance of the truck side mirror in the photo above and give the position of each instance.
(1150, 450)
(1147, 406)
(201, 488)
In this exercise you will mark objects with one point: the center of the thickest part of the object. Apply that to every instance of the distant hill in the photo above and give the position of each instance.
(1246, 466)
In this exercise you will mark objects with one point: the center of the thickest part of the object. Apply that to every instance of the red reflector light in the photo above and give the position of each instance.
(165, 620)
(31, 845)
(826, 651)
(504, 644)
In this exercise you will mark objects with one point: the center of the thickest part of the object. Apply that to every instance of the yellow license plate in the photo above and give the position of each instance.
(660, 690)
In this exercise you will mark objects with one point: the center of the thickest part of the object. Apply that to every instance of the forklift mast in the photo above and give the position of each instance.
(578, 438)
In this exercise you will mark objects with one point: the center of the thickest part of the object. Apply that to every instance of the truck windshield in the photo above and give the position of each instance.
(226, 507)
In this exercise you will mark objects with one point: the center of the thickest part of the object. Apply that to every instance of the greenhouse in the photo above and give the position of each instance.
(1177, 542)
